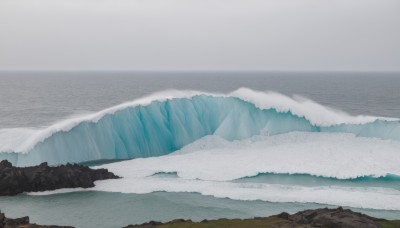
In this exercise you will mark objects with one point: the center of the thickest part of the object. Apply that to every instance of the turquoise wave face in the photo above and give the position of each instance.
(163, 127)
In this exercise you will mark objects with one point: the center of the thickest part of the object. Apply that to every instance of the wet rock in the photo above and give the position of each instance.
(16, 222)
(334, 218)
(15, 180)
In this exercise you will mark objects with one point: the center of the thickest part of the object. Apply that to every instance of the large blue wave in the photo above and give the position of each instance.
(164, 126)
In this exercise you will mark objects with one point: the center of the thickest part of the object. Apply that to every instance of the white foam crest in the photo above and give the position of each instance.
(341, 156)
(359, 197)
(58, 191)
(316, 113)
(370, 197)
(209, 166)
(24, 139)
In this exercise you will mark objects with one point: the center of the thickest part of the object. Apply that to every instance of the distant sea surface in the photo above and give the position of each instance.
(34, 99)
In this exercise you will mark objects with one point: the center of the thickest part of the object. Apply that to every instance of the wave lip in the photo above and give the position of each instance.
(167, 121)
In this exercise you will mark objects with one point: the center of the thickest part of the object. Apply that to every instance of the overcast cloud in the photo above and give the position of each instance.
(199, 35)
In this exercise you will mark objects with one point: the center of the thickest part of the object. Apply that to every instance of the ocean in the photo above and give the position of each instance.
(205, 144)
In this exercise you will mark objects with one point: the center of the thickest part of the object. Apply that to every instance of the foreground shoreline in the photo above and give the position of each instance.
(322, 217)
(23, 222)
(16, 180)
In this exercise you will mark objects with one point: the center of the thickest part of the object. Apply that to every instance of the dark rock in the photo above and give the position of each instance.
(2, 218)
(145, 225)
(333, 218)
(15, 180)
(5, 164)
(283, 215)
(182, 220)
(16, 222)
(22, 223)
(326, 218)
(154, 223)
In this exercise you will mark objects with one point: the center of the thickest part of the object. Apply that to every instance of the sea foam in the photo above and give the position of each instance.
(212, 166)
(218, 167)
(331, 155)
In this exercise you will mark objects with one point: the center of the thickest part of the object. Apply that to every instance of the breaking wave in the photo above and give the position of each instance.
(165, 122)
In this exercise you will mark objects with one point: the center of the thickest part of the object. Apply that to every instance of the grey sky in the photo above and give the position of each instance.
(200, 34)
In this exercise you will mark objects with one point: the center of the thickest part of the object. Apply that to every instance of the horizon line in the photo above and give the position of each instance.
(188, 71)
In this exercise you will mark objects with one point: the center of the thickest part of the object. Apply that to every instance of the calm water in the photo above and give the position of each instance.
(39, 99)
(102, 209)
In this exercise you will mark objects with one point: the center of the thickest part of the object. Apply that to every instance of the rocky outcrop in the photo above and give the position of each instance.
(338, 217)
(15, 180)
(22, 223)
(322, 218)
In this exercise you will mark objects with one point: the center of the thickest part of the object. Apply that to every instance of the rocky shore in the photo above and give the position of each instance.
(15, 180)
(22, 223)
(322, 218)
